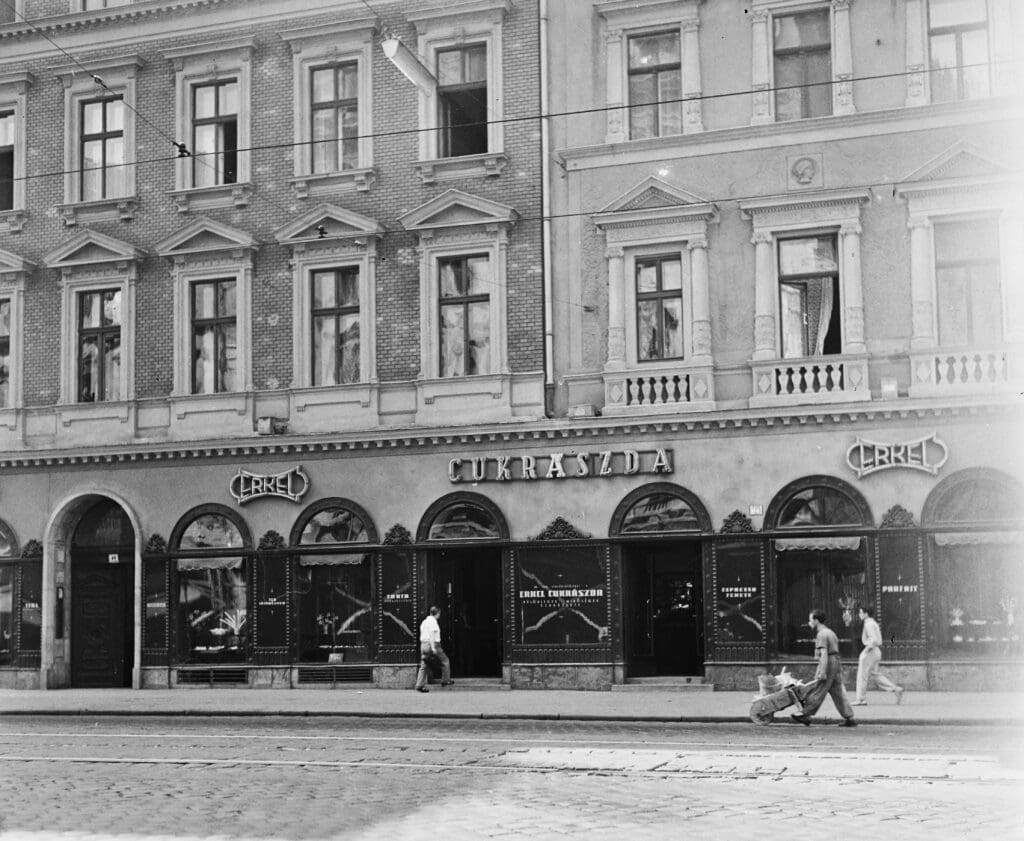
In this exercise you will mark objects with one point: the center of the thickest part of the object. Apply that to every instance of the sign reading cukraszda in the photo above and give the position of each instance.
(564, 465)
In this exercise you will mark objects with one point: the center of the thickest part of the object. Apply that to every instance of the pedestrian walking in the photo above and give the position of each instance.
(828, 678)
(871, 659)
(430, 648)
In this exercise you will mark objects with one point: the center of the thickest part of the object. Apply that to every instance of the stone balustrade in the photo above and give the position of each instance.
(665, 388)
(974, 370)
(823, 379)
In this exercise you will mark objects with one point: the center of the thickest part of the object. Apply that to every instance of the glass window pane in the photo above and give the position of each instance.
(672, 319)
(789, 94)
(92, 171)
(205, 101)
(226, 298)
(476, 64)
(111, 307)
(670, 112)
(204, 360)
(646, 277)
(449, 67)
(112, 366)
(453, 363)
(955, 12)
(450, 279)
(228, 96)
(671, 274)
(479, 350)
(463, 521)
(647, 331)
(651, 50)
(334, 525)
(5, 318)
(92, 117)
(809, 29)
(325, 343)
(88, 369)
(154, 623)
(228, 357)
(806, 256)
(114, 174)
(203, 298)
(323, 290)
(334, 611)
(115, 115)
(349, 287)
(975, 52)
(660, 512)
(323, 84)
(90, 307)
(943, 61)
(348, 346)
(324, 134)
(31, 607)
(211, 531)
(479, 271)
(6, 614)
(212, 614)
(7, 129)
(974, 240)
(818, 95)
(348, 81)
(793, 319)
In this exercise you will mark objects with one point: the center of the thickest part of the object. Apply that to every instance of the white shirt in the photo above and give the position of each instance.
(872, 635)
(430, 631)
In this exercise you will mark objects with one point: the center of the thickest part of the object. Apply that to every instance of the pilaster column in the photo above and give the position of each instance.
(842, 55)
(615, 99)
(765, 342)
(693, 117)
(760, 69)
(917, 89)
(701, 315)
(616, 309)
(1011, 238)
(922, 291)
(853, 294)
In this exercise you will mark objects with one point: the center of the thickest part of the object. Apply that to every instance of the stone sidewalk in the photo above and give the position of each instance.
(918, 708)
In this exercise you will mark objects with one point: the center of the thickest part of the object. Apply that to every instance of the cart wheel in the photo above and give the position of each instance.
(761, 713)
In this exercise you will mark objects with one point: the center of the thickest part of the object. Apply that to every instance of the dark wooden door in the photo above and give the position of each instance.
(101, 623)
(466, 586)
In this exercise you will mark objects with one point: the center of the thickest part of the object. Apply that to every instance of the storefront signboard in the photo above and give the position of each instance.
(927, 454)
(291, 484)
(562, 596)
(399, 621)
(564, 465)
(739, 610)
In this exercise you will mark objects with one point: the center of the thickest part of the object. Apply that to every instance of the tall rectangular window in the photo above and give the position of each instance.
(7, 604)
(335, 326)
(102, 151)
(809, 297)
(655, 85)
(659, 308)
(6, 160)
(99, 345)
(968, 293)
(958, 46)
(803, 65)
(462, 100)
(335, 117)
(215, 133)
(465, 288)
(214, 337)
(5, 352)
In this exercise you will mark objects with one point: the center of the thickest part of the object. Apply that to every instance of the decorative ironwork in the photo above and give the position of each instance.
(737, 523)
(897, 517)
(156, 545)
(33, 549)
(271, 540)
(561, 529)
(397, 535)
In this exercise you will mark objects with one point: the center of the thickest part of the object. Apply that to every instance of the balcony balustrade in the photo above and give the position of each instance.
(811, 380)
(941, 372)
(655, 390)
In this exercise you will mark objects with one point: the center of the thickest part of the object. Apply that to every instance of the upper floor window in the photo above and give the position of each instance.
(336, 352)
(5, 353)
(215, 133)
(99, 345)
(334, 117)
(655, 85)
(959, 49)
(809, 296)
(967, 282)
(803, 65)
(6, 160)
(462, 100)
(465, 317)
(214, 337)
(102, 149)
(659, 308)
(96, 5)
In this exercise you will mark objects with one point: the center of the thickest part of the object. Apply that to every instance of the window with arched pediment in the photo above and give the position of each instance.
(212, 617)
(463, 521)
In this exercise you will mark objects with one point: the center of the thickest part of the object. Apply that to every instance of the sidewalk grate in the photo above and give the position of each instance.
(213, 677)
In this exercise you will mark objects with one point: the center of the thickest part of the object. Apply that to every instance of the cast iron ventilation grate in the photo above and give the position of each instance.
(335, 674)
(214, 677)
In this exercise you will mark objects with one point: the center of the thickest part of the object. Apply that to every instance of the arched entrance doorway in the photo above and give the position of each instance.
(463, 578)
(662, 572)
(102, 577)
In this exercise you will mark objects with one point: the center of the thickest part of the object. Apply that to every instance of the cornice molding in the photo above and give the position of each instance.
(77, 20)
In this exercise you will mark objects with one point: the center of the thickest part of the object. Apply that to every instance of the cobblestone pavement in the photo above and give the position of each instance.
(82, 780)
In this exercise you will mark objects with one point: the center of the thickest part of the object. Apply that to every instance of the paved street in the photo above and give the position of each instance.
(81, 779)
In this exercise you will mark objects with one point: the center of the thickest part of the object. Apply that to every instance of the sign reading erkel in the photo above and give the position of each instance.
(291, 484)
(927, 454)
(570, 465)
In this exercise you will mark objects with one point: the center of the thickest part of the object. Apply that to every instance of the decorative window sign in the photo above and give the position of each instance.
(292, 484)
(570, 465)
(927, 454)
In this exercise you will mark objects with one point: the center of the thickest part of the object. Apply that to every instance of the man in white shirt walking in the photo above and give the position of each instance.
(871, 659)
(430, 646)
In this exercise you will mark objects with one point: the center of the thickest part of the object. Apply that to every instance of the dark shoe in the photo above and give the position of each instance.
(847, 722)
(805, 720)
(422, 689)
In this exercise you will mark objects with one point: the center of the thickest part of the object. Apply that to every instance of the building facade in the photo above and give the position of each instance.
(624, 349)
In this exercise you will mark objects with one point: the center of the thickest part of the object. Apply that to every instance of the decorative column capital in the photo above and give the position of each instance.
(922, 223)
(759, 16)
(613, 35)
(841, 5)
(698, 241)
(691, 25)
(761, 238)
(850, 228)
(614, 252)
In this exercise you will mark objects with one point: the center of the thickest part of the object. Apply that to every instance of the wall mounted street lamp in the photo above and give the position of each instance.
(412, 68)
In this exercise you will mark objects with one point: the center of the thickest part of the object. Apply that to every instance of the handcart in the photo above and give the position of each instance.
(776, 693)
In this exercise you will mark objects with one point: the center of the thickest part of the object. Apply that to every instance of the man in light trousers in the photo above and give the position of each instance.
(430, 646)
(871, 659)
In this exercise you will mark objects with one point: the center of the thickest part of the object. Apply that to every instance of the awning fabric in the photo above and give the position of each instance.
(978, 538)
(209, 563)
(331, 560)
(817, 543)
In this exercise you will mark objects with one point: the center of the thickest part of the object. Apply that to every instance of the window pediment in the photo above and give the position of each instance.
(14, 265)
(654, 200)
(205, 236)
(961, 164)
(455, 209)
(91, 248)
(439, 14)
(337, 223)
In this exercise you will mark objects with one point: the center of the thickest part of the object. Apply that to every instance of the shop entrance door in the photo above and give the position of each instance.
(664, 620)
(101, 623)
(466, 585)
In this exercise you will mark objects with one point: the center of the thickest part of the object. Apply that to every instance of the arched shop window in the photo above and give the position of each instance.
(463, 516)
(976, 579)
(105, 525)
(658, 509)
(819, 566)
(213, 590)
(334, 590)
(15, 615)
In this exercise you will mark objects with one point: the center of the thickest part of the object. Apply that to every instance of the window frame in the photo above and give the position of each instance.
(216, 321)
(11, 149)
(100, 333)
(803, 51)
(997, 264)
(336, 312)
(657, 69)
(463, 302)
(337, 104)
(103, 136)
(13, 272)
(13, 97)
(638, 256)
(446, 127)
(799, 280)
(957, 31)
(218, 160)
